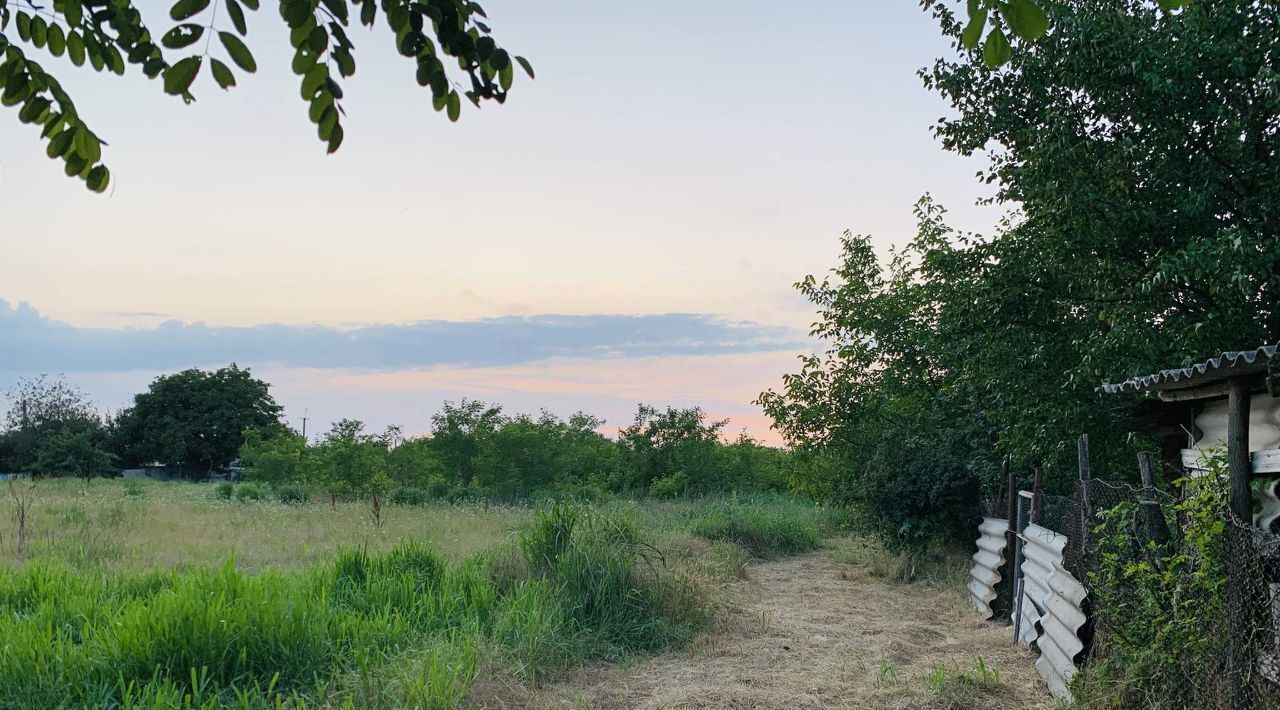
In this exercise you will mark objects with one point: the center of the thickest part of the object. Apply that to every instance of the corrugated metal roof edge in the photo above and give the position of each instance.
(1230, 362)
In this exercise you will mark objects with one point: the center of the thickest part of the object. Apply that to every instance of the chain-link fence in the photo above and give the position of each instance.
(1183, 600)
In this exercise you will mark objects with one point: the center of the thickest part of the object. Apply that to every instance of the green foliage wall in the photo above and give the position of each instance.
(475, 450)
(1137, 152)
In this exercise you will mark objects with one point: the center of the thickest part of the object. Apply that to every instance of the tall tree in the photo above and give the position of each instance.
(1138, 154)
(196, 419)
(40, 409)
(110, 36)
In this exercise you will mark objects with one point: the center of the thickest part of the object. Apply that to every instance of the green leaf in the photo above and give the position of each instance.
(73, 11)
(98, 179)
(24, 26)
(39, 32)
(303, 60)
(239, 53)
(524, 64)
(500, 59)
(505, 77)
(57, 40)
(184, 9)
(328, 119)
(318, 40)
(338, 8)
(178, 78)
(237, 17)
(346, 62)
(972, 35)
(75, 48)
(1171, 5)
(454, 106)
(60, 144)
(222, 73)
(1025, 19)
(87, 145)
(183, 35)
(996, 51)
(251, 4)
(313, 80)
(296, 12)
(335, 138)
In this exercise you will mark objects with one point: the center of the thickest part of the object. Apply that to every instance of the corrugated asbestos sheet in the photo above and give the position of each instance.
(985, 573)
(1051, 613)
(1229, 363)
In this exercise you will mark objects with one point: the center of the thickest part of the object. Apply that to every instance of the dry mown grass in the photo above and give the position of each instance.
(837, 628)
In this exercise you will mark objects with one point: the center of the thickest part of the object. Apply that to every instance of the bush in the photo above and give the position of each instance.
(409, 495)
(293, 494)
(134, 489)
(225, 490)
(1161, 607)
(669, 486)
(763, 532)
(251, 491)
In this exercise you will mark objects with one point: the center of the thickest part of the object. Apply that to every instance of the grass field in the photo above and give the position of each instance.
(146, 594)
(169, 595)
(143, 525)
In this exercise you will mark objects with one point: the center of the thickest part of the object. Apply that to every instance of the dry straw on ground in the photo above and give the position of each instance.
(832, 629)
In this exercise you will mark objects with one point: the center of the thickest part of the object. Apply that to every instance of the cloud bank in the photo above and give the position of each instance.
(32, 342)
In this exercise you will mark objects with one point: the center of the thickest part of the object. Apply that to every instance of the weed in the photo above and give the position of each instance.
(888, 672)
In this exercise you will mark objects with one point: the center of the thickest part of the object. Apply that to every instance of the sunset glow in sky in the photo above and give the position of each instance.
(626, 228)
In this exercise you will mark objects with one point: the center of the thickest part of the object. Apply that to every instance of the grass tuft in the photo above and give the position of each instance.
(763, 533)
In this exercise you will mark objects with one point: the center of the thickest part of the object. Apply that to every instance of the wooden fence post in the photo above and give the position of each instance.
(1004, 602)
(1086, 513)
(1239, 470)
(1037, 493)
(1152, 517)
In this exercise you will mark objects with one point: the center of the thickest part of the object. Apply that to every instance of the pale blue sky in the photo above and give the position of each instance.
(671, 157)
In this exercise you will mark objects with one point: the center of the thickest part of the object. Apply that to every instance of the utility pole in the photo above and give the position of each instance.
(304, 424)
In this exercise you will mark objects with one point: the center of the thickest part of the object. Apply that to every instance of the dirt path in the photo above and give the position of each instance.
(817, 632)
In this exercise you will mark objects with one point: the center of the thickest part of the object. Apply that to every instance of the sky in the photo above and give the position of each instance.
(627, 228)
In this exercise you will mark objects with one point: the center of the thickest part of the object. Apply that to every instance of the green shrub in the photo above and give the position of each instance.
(251, 491)
(134, 489)
(1161, 607)
(408, 495)
(225, 490)
(763, 532)
(669, 486)
(293, 494)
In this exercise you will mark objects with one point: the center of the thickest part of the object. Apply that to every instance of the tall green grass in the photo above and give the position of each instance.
(762, 531)
(401, 629)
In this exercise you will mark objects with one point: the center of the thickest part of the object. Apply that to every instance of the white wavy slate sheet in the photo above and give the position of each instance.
(1054, 621)
(987, 561)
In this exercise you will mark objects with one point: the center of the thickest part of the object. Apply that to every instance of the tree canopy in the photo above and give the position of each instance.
(1138, 155)
(196, 419)
(448, 43)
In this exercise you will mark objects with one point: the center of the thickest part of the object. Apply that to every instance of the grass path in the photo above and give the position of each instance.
(815, 631)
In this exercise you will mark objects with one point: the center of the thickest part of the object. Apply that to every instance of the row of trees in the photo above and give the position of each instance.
(199, 421)
(474, 449)
(1139, 153)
